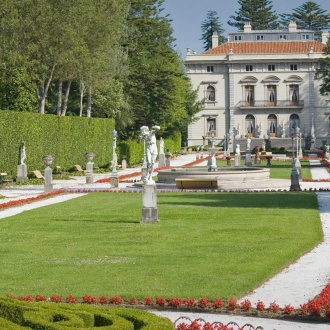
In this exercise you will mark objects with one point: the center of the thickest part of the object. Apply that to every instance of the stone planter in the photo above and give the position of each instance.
(89, 156)
(48, 160)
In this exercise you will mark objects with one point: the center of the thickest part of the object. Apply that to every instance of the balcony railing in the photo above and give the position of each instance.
(267, 104)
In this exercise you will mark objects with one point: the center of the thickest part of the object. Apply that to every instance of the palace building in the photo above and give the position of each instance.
(260, 84)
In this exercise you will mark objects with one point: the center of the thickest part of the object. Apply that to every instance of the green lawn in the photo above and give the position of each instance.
(212, 244)
(279, 169)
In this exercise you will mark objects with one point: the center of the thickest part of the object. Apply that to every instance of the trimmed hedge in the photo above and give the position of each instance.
(53, 316)
(67, 139)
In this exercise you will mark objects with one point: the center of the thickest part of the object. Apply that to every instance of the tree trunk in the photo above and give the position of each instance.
(42, 92)
(66, 98)
(82, 91)
(89, 101)
(59, 98)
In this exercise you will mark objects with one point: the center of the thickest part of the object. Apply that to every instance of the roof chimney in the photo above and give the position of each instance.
(292, 26)
(247, 27)
(325, 37)
(215, 40)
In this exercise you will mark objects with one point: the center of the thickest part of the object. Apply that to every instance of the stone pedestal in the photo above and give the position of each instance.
(114, 180)
(21, 172)
(257, 156)
(168, 159)
(161, 160)
(124, 164)
(144, 172)
(48, 183)
(295, 186)
(248, 161)
(89, 173)
(149, 202)
(237, 160)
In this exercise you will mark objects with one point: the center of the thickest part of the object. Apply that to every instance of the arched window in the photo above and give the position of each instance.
(294, 122)
(272, 125)
(210, 94)
(250, 125)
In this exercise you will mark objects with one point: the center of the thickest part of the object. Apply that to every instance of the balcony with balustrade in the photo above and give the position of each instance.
(266, 104)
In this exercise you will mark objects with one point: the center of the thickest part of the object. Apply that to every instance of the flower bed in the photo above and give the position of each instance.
(317, 309)
(31, 199)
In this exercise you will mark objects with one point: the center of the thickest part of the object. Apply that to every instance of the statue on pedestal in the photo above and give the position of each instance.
(22, 154)
(151, 149)
(248, 143)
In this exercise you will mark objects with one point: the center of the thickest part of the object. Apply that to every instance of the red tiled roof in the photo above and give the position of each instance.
(267, 47)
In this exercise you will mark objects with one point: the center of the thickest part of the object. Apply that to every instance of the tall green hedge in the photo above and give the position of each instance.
(67, 139)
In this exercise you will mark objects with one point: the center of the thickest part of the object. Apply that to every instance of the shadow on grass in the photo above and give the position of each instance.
(282, 200)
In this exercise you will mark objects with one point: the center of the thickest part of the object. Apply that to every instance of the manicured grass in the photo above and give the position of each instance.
(279, 169)
(206, 244)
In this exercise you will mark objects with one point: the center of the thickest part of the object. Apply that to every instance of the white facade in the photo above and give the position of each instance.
(259, 83)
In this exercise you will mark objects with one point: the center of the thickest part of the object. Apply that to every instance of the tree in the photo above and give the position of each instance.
(308, 16)
(156, 86)
(323, 71)
(210, 25)
(61, 41)
(259, 13)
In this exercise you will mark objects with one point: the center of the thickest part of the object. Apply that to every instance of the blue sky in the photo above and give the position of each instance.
(188, 15)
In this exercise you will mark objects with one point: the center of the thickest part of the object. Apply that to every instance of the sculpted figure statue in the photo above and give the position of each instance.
(238, 149)
(151, 148)
(248, 143)
(22, 154)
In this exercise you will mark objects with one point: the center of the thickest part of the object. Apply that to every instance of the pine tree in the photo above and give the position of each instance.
(259, 13)
(210, 25)
(156, 87)
(323, 71)
(308, 16)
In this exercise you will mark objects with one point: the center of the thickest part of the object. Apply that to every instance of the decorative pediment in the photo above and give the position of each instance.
(293, 79)
(248, 80)
(271, 79)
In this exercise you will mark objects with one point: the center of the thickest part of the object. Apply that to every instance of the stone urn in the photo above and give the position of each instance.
(48, 159)
(89, 156)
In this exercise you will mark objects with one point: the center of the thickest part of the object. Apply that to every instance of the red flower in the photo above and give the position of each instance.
(203, 302)
(288, 309)
(116, 300)
(71, 299)
(274, 307)
(246, 304)
(232, 304)
(148, 301)
(175, 302)
(87, 299)
(260, 306)
(190, 302)
(161, 301)
(217, 303)
(132, 301)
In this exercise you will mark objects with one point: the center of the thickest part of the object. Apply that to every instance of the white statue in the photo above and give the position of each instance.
(238, 130)
(151, 149)
(283, 129)
(238, 149)
(161, 146)
(248, 143)
(22, 154)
